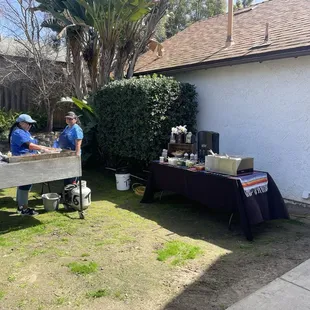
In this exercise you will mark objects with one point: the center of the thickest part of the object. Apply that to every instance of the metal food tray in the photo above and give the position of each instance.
(34, 157)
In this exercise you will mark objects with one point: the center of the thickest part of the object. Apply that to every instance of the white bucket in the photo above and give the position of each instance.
(83, 183)
(51, 201)
(123, 182)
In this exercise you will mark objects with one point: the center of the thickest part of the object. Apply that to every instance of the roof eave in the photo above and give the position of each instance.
(274, 55)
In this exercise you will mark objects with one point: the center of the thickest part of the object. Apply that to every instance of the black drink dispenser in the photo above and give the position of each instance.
(207, 140)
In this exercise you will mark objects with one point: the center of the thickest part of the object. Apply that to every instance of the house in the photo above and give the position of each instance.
(254, 90)
(14, 92)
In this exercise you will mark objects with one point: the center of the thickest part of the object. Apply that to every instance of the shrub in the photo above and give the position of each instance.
(135, 117)
(7, 119)
(88, 121)
(41, 118)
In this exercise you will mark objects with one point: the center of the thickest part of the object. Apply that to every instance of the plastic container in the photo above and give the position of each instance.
(51, 201)
(122, 179)
(172, 161)
(189, 138)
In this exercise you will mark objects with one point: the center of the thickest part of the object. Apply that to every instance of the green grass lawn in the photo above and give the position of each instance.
(127, 255)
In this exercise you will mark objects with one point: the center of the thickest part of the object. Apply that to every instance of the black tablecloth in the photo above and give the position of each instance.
(218, 191)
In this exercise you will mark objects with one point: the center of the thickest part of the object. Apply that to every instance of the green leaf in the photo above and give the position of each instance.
(81, 104)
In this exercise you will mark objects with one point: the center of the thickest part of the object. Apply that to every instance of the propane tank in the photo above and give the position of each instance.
(72, 196)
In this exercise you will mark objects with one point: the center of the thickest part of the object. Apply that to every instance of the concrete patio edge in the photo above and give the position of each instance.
(288, 292)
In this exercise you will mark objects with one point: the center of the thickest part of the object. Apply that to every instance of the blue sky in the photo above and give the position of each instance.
(3, 31)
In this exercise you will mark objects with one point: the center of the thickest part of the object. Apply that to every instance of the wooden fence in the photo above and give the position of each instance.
(15, 97)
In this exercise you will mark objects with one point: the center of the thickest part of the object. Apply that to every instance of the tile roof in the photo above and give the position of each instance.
(203, 42)
(10, 47)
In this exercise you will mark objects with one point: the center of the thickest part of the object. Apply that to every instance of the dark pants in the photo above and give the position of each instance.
(22, 195)
(25, 187)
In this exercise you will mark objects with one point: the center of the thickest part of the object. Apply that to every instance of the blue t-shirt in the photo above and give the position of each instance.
(18, 139)
(68, 137)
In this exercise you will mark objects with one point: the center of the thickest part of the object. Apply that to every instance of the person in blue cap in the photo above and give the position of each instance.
(71, 138)
(22, 143)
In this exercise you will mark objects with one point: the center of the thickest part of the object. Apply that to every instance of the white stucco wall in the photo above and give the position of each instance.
(261, 110)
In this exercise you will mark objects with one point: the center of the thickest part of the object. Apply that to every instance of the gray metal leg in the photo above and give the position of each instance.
(81, 212)
(48, 186)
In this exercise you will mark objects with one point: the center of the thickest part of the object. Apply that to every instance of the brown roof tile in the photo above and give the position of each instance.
(204, 41)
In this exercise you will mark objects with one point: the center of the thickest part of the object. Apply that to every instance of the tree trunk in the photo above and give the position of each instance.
(50, 116)
(132, 64)
(121, 59)
(93, 72)
(106, 60)
(119, 69)
(78, 68)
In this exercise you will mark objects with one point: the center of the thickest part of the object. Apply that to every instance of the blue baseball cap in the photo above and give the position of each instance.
(25, 118)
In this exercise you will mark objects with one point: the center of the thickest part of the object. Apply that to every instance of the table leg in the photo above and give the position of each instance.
(245, 224)
(81, 212)
(229, 222)
(48, 186)
(161, 195)
(149, 192)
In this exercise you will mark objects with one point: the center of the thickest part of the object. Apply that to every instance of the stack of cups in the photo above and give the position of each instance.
(163, 156)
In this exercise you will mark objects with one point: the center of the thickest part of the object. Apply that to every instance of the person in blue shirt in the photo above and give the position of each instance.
(22, 143)
(71, 138)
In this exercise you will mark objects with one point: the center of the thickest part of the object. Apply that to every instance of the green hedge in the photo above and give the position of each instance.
(135, 117)
(7, 119)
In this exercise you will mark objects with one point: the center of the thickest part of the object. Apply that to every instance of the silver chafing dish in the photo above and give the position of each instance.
(232, 165)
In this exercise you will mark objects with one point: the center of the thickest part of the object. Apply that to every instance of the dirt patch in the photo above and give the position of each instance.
(122, 236)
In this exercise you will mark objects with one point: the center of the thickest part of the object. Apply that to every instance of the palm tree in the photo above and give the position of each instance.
(66, 24)
(110, 33)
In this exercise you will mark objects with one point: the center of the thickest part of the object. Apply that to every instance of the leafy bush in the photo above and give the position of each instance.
(89, 125)
(135, 117)
(7, 119)
(41, 118)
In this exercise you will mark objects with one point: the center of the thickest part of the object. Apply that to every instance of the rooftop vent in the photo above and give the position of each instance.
(241, 11)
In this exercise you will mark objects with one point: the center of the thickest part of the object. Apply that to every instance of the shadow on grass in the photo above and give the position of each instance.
(11, 221)
(173, 212)
(278, 245)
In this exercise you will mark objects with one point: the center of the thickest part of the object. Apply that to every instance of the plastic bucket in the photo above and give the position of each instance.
(51, 201)
(83, 183)
(122, 181)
